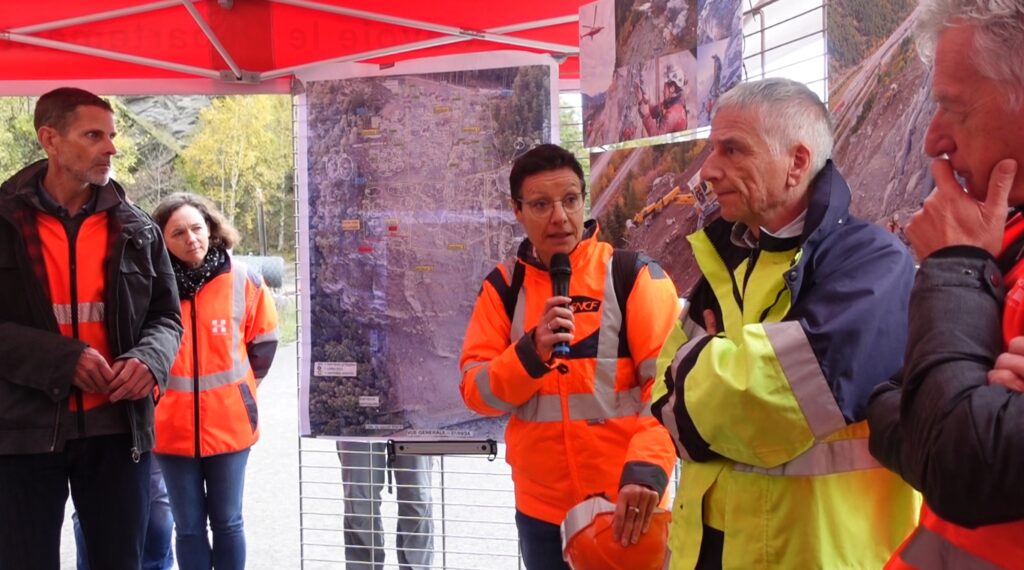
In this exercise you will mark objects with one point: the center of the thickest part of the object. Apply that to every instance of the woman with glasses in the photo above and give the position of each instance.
(578, 424)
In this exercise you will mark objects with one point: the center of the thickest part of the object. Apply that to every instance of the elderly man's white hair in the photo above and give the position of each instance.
(998, 38)
(790, 113)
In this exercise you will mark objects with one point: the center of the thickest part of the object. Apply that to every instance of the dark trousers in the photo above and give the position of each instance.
(540, 543)
(158, 552)
(110, 492)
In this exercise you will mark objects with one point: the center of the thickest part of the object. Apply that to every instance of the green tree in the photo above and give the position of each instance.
(19, 145)
(523, 117)
(241, 158)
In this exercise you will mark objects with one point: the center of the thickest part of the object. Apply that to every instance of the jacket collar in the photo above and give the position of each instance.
(19, 191)
(829, 204)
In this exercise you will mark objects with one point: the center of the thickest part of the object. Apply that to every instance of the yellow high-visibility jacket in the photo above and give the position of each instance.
(767, 414)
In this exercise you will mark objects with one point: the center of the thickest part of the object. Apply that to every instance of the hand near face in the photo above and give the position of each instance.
(951, 217)
(132, 380)
(633, 512)
(556, 316)
(1009, 368)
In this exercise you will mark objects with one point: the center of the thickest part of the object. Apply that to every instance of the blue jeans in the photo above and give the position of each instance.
(157, 553)
(540, 542)
(208, 487)
(110, 492)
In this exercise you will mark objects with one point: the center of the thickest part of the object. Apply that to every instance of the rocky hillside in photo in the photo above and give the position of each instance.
(881, 112)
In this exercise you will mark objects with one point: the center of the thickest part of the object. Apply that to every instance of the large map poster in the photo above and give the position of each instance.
(407, 210)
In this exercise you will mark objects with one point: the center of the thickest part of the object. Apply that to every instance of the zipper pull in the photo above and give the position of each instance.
(135, 454)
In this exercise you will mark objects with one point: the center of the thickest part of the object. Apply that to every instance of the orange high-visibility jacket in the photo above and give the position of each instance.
(77, 289)
(583, 428)
(230, 338)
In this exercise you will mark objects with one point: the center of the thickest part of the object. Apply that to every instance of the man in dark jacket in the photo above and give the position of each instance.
(89, 326)
(952, 422)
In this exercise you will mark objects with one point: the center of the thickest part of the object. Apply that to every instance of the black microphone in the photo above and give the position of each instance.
(560, 272)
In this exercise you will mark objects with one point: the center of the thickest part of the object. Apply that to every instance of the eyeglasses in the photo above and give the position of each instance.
(571, 203)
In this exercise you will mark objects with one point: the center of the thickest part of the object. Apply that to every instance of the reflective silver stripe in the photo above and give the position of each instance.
(518, 317)
(608, 336)
(541, 408)
(617, 405)
(483, 385)
(647, 369)
(209, 381)
(548, 407)
(265, 337)
(582, 515)
(471, 364)
(239, 278)
(822, 459)
(87, 313)
(691, 328)
(929, 550)
(800, 365)
(605, 402)
(668, 416)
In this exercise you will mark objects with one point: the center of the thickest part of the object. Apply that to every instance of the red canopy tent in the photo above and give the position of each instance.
(255, 46)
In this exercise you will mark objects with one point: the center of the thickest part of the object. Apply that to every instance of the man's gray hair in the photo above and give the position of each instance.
(998, 37)
(790, 114)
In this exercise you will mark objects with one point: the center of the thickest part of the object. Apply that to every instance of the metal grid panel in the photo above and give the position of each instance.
(471, 498)
(787, 38)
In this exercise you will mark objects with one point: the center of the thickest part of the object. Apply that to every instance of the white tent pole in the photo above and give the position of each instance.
(74, 48)
(213, 38)
(274, 73)
(97, 17)
(438, 28)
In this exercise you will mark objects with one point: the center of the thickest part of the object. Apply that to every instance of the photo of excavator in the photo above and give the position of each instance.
(695, 192)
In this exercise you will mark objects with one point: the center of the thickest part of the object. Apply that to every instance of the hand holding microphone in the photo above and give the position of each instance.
(557, 318)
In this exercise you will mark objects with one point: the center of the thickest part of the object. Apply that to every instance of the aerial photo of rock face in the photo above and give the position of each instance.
(881, 104)
(409, 205)
(650, 198)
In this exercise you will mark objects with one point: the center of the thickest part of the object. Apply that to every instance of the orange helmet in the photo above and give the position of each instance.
(588, 542)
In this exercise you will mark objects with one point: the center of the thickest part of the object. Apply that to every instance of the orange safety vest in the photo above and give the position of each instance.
(209, 407)
(77, 281)
(937, 544)
(571, 431)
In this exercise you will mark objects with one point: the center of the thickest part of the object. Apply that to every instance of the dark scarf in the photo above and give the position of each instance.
(191, 279)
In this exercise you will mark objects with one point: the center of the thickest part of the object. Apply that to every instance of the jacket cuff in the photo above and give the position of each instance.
(960, 251)
(646, 474)
(961, 266)
(529, 358)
